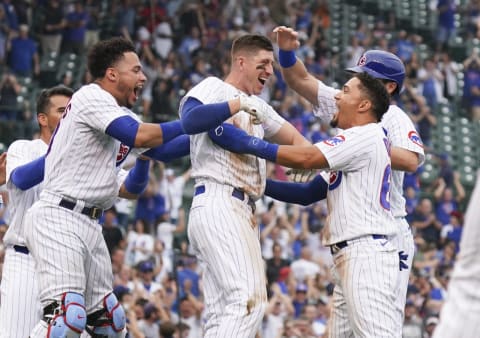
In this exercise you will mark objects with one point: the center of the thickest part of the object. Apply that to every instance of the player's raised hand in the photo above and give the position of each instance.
(287, 38)
(256, 108)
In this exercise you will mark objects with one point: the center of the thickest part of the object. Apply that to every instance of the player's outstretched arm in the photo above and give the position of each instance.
(176, 148)
(197, 117)
(297, 193)
(293, 70)
(143, 135)
(28, 175)
(237, 140)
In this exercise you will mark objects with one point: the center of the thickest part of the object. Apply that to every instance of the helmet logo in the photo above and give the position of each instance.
(362, 61)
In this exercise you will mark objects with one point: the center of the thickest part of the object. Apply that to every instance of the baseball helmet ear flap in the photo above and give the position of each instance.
(381, 65)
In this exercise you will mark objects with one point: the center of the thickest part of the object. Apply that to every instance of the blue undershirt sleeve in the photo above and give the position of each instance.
(176, 148)
(123, 129)
(28, 175)
(297, 193)
(198, 117)
(137, 178)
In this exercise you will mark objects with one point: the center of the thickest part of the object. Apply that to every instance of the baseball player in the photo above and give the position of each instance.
(221, 225)
(460, 312)
(71, 258)
(19, 312)
(407, 148)
(20, 309)
(359, 222)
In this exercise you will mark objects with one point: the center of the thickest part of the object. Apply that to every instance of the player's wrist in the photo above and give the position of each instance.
(171, 129)
(286, 58)
(263, 149)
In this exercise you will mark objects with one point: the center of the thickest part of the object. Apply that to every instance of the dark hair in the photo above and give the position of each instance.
(106, 53)
(43, 99)
(376, 93)
(251, 43)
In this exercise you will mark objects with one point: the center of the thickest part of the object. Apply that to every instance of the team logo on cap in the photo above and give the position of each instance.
(122, 154)
(335, 141)
(415, 138)
(362, 61)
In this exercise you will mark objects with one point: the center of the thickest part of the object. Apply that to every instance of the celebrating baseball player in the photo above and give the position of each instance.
(20, 309)
(407, 148)
(459, 314)
(221, 226)
(20, 313)
(71, 258)
(359, 220)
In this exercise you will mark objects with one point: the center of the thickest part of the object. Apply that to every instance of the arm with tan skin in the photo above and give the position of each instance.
(301, 157)
(150, 135)
(404, 160)
(296, 76)
(288, 134)
(237, 140)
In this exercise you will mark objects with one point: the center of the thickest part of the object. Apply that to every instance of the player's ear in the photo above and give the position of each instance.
(111, 74)
(365, 105)
(42, 119)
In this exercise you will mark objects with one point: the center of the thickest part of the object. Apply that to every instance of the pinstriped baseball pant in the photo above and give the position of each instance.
(20, 309)
(223, 234)
(365, 275)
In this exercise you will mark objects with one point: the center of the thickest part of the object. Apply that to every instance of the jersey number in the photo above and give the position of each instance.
(385, 192)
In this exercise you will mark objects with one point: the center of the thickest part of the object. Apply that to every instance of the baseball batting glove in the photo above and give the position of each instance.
(256, 108)
(300, 175)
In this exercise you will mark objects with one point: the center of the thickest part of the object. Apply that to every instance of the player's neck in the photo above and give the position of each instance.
(45, 136)
(234, 82)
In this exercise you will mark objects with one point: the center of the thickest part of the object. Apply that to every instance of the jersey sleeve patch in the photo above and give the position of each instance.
(335, 141)
(415, 138)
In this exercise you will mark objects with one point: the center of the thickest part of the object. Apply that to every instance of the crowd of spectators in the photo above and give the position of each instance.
(180, 43)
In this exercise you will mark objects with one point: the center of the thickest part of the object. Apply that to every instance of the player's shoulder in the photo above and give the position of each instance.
(18, 146)
(211, 81)
(394, 115)
(27, 148)
(131, 114)
(92, 91)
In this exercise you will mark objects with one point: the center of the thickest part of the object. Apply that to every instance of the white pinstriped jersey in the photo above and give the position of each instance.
(358, 193)
(21, 152)
(400, 132)
(209, 161)
(82, 160)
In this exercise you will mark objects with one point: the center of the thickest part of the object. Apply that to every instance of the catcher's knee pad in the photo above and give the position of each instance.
(69, 319)
(110, 321)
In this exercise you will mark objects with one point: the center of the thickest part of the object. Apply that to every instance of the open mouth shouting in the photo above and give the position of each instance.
(137, 90)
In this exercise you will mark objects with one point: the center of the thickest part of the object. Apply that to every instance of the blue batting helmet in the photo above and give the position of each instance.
(381, 65)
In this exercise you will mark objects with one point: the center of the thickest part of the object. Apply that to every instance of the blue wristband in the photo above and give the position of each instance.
(171, 129)
(137, 178)
(286, 58)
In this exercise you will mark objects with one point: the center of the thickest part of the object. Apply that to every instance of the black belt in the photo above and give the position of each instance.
(334, 248)
(21, 249)
(92, 212)
(237, 193)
